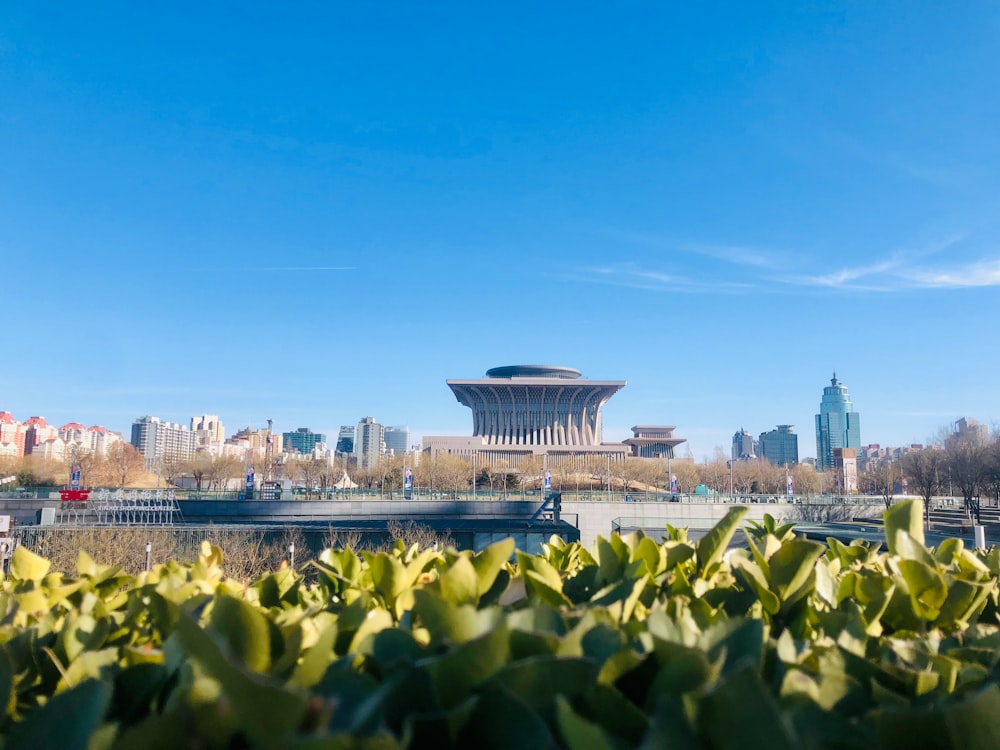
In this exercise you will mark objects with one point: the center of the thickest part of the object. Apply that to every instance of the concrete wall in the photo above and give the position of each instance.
(223, 511)
(596, 517)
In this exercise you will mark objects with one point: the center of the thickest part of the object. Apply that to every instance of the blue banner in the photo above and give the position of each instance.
(548, 482)
(250, 474)
(407, 479)
(673, 483)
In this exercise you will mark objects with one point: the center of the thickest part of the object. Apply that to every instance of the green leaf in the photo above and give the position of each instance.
(740, 713)
(501, 720)
(653, 555)
(608, 560)
(389, 576)
(246, 631)
(754, 577)
(448, 623)
(578, 733)
(538, 680)
(459, 582)
(791, 573)
(457, 672)
(713, 545)
(66, 721)
(267, 712)
(25, 565)
(969, 723)
(907, 516)
(490, 561)
(927, 588)
(542, 588)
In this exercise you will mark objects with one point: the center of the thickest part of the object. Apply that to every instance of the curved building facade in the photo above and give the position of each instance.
(536, 405)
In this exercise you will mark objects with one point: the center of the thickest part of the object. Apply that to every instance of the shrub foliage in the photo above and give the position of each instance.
(786, 643)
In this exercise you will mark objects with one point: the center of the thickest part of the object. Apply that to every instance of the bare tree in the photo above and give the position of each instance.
(991, 470)
(222, 469)
(124, 464)
(881, 478)
(715, 473)
(805, 480)
(923, 468)
(966, 459)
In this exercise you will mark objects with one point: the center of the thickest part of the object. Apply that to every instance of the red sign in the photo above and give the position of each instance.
(81, 495)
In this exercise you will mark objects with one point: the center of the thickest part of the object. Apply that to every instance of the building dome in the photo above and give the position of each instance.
(533, 371)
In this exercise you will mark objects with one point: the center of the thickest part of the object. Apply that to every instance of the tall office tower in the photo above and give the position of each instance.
(780, 446)
(536, 405)
(157, 440)
(397, 440)
(345, 439)
(744, 446)
(208, 429)
(369, 443)
(837, 424)
(303, 440)
(653, 441)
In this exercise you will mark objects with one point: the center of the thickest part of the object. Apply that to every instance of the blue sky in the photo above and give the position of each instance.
(322, 212)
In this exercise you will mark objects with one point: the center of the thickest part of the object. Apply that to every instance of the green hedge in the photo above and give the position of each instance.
(786, 643)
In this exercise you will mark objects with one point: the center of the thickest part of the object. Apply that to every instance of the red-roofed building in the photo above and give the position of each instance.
(95, 439)
(37, 431)
(12, 435)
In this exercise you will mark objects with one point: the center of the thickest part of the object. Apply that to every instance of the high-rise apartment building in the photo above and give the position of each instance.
(94, 439)
(744, 446)
(37, 431)
(369, 443)
(303, 440)
(837, 424)
(397, 440)
(779, 446)
(970, 431)
(12, 436)
(208, 430)
(162, 441)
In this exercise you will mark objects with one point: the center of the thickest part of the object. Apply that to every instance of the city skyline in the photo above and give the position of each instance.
(326, 212)
(726, 448)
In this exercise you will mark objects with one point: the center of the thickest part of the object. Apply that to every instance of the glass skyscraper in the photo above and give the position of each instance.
(837, 424)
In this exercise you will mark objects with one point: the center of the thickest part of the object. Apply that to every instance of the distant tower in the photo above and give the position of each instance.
(397, 440)
(779, 446)
(744, 446)
(837, 424)
(369, 443)
(345, 439)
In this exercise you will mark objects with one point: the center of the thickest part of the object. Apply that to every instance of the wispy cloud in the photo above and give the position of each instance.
(735, 254)
(629, 275)
(903, 270)
(985, 273)
(740, 255)
(305, 268)
(746, 268)
(281, 269)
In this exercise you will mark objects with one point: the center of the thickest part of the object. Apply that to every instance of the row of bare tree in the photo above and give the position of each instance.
(965, 465)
